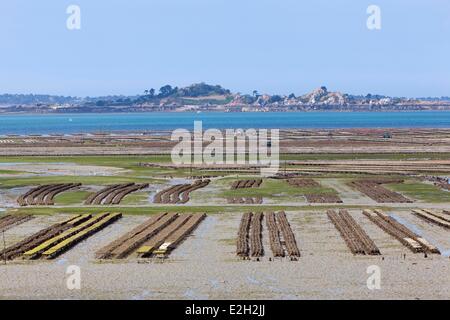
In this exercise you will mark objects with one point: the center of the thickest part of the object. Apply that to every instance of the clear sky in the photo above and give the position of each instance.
(273, 46)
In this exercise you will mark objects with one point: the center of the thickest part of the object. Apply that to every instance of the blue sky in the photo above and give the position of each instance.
(272, 46)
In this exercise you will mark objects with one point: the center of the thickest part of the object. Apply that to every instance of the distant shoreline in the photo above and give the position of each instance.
(220, 112)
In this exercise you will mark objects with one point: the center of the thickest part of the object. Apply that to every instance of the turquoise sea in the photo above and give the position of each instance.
(120, 122)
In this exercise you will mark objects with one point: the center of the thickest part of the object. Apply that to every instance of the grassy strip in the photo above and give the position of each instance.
(136, 198)
(272, 187)
(421, 191)
(180, 209)
(107, 160)
(131, 161)
(11, 172)
(71, 197)
(86, 180)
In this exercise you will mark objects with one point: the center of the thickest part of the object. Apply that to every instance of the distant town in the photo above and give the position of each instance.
(204, 97)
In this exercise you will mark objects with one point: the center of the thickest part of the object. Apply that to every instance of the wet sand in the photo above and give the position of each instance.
(205, 266)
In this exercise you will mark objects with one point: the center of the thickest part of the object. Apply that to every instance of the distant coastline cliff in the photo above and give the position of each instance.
(204, 97)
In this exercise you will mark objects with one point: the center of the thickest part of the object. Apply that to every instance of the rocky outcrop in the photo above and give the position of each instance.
(321, 96)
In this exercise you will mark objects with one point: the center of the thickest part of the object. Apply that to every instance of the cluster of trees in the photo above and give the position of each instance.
(167, 91)
(249, 99)
(123, 101)
(195, 90)
(434, 99)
